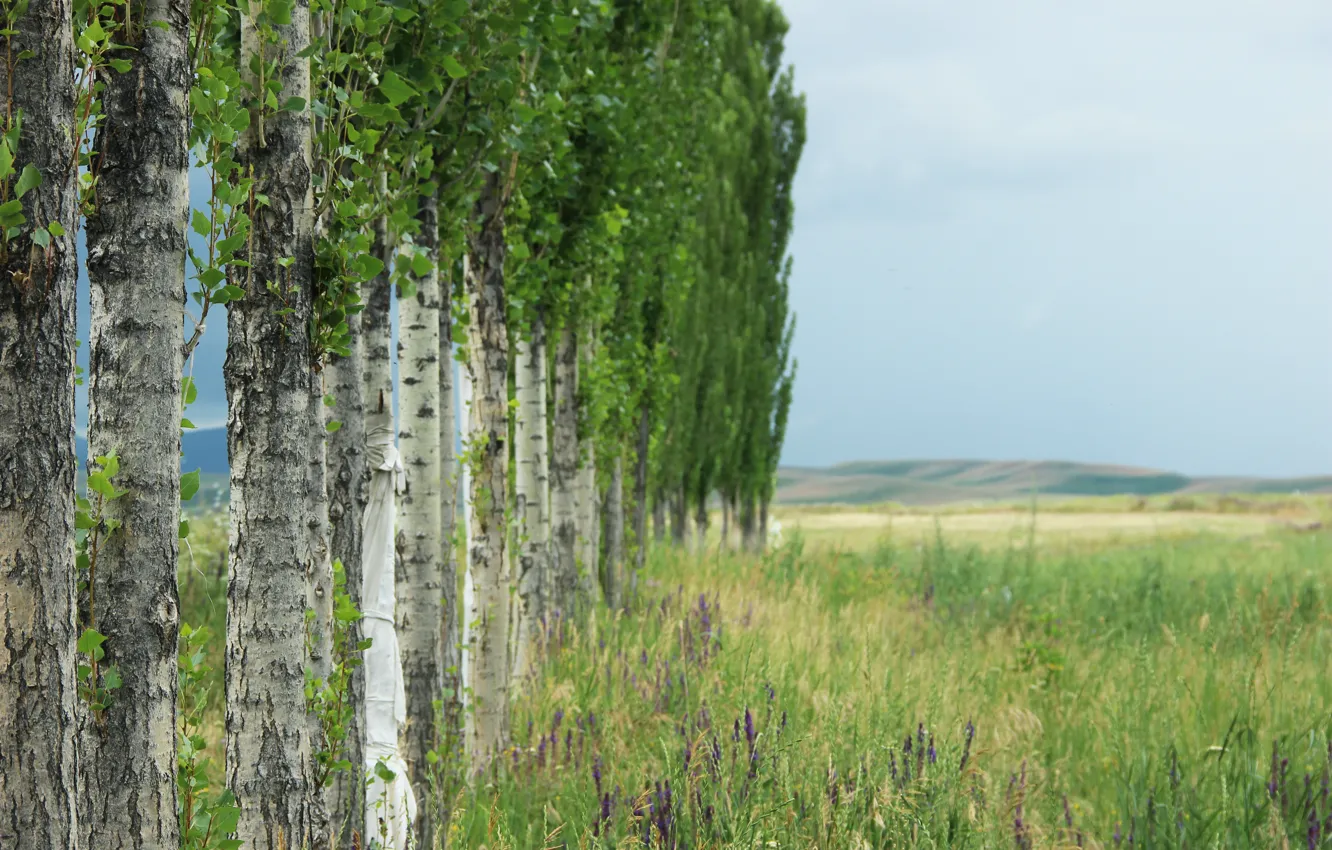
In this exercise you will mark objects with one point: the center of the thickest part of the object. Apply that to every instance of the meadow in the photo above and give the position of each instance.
(930, 687)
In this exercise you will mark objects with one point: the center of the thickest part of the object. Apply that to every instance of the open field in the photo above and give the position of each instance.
(1060, 524)
(1162, 683)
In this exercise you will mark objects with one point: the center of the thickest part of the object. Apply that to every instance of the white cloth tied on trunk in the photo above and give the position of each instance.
(390, 806)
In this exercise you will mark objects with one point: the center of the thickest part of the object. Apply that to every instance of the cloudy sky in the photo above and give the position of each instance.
(1095, 231)
(1036, 229)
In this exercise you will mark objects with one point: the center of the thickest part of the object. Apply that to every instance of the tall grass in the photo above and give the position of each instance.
(1165, 695)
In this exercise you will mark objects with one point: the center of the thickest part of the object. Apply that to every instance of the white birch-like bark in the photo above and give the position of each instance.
(271, 416)
(589, 522)
(589, 510)
(469, 610)
(488, 363)
(136, 274)
(319, 601)
(420, 590)
(532, 484)
(38, 698)
(564, 477)
(448, 520)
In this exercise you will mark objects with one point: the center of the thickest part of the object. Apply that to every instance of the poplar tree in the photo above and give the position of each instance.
(136, 272)
(38, 211)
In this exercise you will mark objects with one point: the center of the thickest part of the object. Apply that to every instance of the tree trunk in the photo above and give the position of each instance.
(271, 416)
(640, 499)
(589, 525)
(319, 601)
(659, 519)
(615, 535)
(533, 482)
(420, 609)
(136, 273)
(762, 543)
(39, 782)
(701, 520)
(347, 483)
(589, 513)
(377, 378)
(488, 350)
(680, 519)
(468, 607)
(748, 535)
(725, 543)
(448, 521)
(564, 475)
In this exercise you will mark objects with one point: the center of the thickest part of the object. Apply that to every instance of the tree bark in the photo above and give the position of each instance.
(347, 481)
(488, 350)
(136, 275)
(748, 533)
(701, 521)
(641, 499)
(448, 521)
(319, 601)
(532, 484)
(725, 543)
(614, 520)
(420, 587)
(468, 607)
(271, 416)
(377, 377)
(38, 693)
(680, 519)
(564, 475)
(589, 514)
(659, 519)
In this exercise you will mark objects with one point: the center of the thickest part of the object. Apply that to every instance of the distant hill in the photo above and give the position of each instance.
(924, 482)
(204, 449)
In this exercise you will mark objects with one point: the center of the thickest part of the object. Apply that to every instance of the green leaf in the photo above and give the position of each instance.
(31, 178)
(187, 424)
(6, 161)
(183, 530)
(334, 426)
(294, 104)
(395, 89)
(200, 223)
(453, 68)
(57, 229)
(98, 483)
(189, 485)
(188, 390)
(41, 236)
(421, 265)
(90, 640)
(111, 678)
(564, 24)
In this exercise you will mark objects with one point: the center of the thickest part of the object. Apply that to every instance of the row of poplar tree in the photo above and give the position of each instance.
(586, 206)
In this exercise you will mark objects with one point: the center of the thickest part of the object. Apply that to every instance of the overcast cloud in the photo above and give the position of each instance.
(1032, 229)
(1089, 231)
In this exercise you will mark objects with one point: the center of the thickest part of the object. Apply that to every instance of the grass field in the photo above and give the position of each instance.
(959, 684)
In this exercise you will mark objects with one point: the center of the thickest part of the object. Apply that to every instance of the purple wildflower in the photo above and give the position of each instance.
(750, 734)
(966, 746)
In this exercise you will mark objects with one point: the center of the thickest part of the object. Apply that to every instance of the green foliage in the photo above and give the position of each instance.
(207, 818)
(330, 699)
(92, 527)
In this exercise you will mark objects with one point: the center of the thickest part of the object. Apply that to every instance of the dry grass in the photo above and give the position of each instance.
(1061, 524)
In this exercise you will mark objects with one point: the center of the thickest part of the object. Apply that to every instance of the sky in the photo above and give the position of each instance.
(1033, 229)
(1094, 231)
